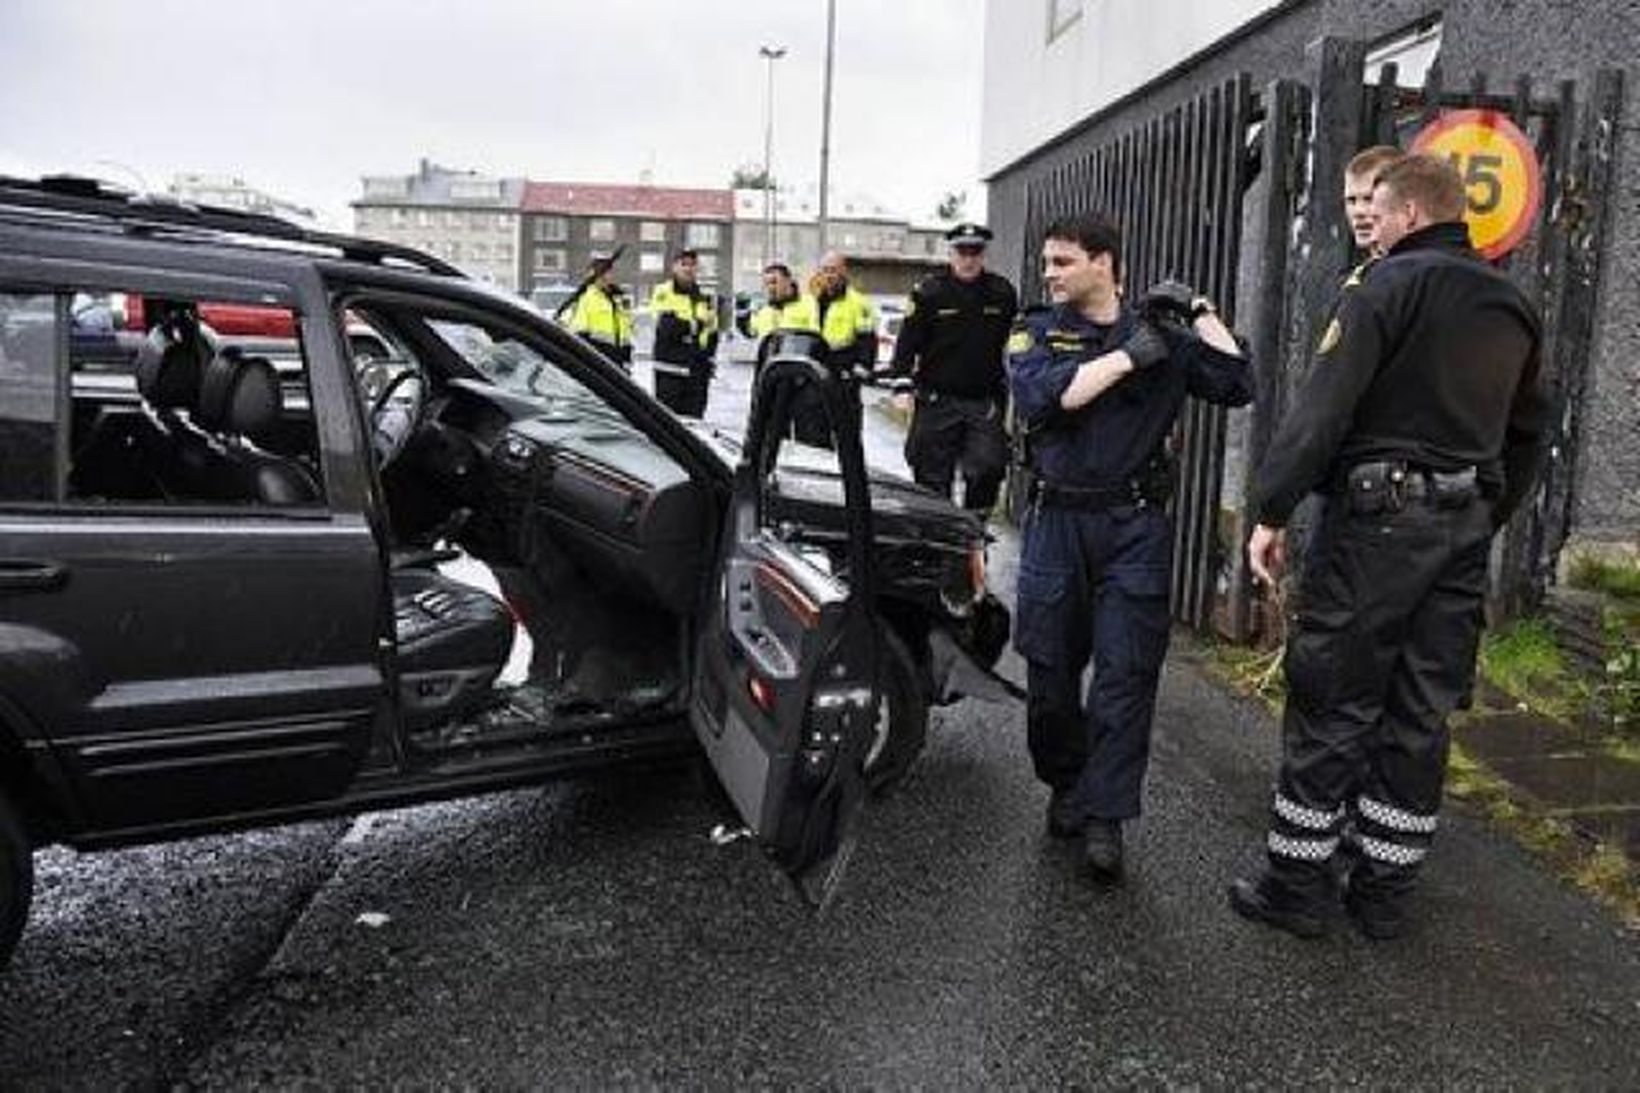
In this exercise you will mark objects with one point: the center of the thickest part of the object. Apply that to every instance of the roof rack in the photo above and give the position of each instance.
(82, 196)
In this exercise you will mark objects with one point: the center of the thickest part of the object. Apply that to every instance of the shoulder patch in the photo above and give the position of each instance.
(1330, 338)
(1019, 341)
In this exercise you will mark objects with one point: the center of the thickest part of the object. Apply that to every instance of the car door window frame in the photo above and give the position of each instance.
(62, 279)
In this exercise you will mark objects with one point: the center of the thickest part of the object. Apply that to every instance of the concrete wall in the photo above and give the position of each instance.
(1546, 39)
(1109, 48)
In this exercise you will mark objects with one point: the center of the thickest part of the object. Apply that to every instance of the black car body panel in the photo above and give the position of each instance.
(173, 663)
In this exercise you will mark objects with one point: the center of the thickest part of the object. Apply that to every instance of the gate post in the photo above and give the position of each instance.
(1532, 547)
(1285, 144)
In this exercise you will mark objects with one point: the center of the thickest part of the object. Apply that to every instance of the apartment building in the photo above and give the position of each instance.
(469, 219)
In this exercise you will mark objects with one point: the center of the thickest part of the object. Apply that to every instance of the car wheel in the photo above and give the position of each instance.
(902, 717)
(16, 880)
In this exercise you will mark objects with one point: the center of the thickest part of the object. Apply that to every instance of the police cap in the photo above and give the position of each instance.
(968, 234)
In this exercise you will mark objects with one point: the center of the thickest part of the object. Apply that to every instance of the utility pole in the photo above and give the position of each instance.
(825, 118)
(771, 54)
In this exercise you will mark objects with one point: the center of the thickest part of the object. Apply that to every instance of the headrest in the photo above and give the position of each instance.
(795, 343)
(170, 364)
(239, 394)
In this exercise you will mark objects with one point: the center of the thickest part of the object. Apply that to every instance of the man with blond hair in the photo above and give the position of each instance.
(1421, 424)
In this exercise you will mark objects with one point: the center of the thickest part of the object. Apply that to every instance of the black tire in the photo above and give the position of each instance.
(16, 880)
(902, 717)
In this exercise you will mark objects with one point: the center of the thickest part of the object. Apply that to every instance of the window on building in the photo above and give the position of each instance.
(503, 252)
(651, 261)
(708, 268)
(652, 231)
(455, 218)
(550, 258)
(1062, 15)
(454, 251)
(398, 218)
(424, 218)
(551, 229)
(601, 231)
(701, 235)
(751, 262)
(480, 252)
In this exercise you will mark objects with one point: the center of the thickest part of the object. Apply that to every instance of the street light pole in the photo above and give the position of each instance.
(825, 117)
(771, 54)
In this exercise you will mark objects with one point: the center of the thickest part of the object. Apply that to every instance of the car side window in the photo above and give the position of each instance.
(188, 403)
(28, 397)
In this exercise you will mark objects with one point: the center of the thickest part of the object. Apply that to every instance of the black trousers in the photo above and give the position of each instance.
(951, 431)
(1381, 649)
(683, 395)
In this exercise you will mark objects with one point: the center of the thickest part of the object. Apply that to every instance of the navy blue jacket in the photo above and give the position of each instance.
(1109, 441)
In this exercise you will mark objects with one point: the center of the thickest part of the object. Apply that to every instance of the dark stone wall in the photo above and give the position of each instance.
(1549, 40)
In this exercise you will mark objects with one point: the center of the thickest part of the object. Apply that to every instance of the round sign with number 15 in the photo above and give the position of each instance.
(1500, 172)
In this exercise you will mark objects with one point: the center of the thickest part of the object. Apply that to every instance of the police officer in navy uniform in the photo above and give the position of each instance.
(951, 344)
(1098, 387)
(1421, 423)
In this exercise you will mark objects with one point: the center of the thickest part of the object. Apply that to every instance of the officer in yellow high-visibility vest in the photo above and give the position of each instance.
(601, 312)
(848, 323)
(784, 308)
(686, 337)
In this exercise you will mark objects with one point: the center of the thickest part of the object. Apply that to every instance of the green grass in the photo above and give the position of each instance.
(1619, 579)
(1524, 659)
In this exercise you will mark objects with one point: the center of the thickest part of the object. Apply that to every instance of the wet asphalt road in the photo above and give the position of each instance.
(591, 933)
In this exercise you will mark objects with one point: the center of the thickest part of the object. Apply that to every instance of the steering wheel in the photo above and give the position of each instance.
(392, 423)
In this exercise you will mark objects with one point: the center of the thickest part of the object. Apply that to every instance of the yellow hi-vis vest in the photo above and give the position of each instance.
(847, 319)
(798, 313)
(697, 313)
(601, 318)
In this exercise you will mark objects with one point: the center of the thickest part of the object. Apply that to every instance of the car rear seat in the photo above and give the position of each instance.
(240, 402)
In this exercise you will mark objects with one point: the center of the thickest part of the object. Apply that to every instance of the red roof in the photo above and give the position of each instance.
(658, 202)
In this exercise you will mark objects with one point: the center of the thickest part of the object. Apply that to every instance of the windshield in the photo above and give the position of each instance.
(511, 363)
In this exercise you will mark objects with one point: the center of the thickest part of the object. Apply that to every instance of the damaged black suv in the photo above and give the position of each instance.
(295, 524)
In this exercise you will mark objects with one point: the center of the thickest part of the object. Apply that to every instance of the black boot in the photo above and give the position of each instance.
(1274, 903)
(1102, 849)
(1065, 820)
(1379, 918)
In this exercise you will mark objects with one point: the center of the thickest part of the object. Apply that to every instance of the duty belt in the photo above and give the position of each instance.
(1387, 485)
(1140, 493)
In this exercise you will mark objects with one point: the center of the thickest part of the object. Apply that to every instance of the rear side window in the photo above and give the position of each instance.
(111, 398)
(28, 397)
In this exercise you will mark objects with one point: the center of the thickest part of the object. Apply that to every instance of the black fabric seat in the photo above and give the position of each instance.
(453, 640)
(240, 403)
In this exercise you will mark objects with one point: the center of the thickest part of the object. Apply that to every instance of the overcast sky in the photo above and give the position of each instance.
(301, 97)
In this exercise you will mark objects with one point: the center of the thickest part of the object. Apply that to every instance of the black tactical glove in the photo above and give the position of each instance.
(1169, 300)
(1145, 346)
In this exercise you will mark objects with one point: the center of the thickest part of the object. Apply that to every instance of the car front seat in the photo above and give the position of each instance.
(453, 640)
(240, 402)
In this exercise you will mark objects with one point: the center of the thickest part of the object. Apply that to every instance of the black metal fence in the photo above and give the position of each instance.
(1174, 185)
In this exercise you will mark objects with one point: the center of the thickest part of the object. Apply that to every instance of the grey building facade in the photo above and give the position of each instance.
(566, 223)
(469, 219)
(1545, 40)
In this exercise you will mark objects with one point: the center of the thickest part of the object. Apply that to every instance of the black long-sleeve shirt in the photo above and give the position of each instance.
(954, 333)
(1433, 359)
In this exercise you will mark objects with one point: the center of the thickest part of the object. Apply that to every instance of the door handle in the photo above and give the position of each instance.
(23, 575)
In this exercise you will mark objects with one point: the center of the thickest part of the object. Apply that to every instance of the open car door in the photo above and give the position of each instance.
(785, 702)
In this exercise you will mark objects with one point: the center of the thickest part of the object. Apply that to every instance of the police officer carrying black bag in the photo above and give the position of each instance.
(1098, 387)
(1421, 424)
(951, 344)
